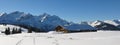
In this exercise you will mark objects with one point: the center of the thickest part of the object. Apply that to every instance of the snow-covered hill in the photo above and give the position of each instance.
(3, 28)
(93, 38)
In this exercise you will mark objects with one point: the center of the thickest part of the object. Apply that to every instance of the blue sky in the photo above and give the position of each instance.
(71, 10)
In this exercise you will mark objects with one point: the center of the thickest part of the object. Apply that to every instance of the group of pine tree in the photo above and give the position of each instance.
(14, 31)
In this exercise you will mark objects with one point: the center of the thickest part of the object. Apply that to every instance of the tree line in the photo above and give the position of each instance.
(8, 31)
(14, 31)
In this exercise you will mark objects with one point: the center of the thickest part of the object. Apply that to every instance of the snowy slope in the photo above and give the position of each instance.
(93, 38)
(113, 22)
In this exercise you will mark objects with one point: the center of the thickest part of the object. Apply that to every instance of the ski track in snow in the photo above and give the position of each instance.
(62, 39)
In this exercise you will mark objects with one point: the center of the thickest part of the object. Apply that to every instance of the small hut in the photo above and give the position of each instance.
(60, 29)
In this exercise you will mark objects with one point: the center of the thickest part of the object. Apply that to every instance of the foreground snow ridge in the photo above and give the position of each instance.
(91, 38)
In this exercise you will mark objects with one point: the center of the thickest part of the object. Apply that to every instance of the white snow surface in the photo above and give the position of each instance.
(90, 38)
(54, 32)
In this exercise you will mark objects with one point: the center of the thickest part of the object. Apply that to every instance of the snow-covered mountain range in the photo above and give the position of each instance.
(105, 25)
(47, 22)
(113, 22)
(43, 22)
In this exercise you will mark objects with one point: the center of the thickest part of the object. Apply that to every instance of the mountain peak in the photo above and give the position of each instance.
(1, 14)
(98, 21)
(45, 14)
(17, 12)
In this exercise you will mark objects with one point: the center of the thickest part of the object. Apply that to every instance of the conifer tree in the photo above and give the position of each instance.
(20, 30)
(13, 31)
(30, 30)
(7, 31)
